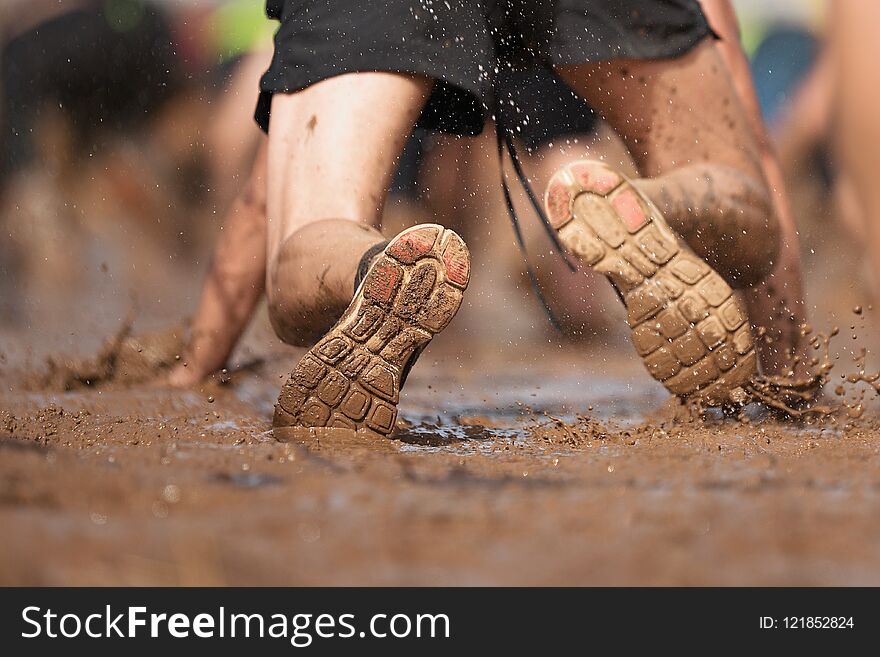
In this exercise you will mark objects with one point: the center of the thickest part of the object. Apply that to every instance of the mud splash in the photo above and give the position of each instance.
(795, 397)
(556, 431)
(798, 396)
(124, 359)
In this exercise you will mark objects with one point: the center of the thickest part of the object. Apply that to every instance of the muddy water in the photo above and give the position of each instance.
(564, 468)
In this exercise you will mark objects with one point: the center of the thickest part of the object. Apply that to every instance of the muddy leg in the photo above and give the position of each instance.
(686, 130)
(331, 160)
(776, 304)
(685, 127)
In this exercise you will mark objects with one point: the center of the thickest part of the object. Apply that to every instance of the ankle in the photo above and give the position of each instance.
(366, 261)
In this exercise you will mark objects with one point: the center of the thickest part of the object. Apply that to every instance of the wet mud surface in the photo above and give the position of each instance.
(566, 468)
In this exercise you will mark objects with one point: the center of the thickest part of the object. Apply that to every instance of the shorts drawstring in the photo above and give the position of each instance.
(504, 138)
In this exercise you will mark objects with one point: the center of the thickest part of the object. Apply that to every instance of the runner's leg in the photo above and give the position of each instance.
(333, 148)
(686, 130)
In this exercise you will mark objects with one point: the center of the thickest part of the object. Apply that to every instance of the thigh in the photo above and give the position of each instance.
(446, 41)
(671, 112)
(334, 147)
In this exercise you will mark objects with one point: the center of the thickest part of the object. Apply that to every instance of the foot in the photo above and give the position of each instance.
(352, 378)
(688, 325)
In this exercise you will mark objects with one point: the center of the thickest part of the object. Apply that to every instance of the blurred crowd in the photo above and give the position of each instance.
(125, 127)
(126, 130)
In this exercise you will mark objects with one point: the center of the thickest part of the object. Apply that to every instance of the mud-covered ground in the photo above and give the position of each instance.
(521, 461)
(560, 467)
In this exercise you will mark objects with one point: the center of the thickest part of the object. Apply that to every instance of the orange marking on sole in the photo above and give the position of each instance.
(558, 203)
(594, 178)
(457, 265)
(411, 246)
(630, 211)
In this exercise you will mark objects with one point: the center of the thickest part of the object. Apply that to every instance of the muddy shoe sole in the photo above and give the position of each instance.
(351, 379)
(688, 325)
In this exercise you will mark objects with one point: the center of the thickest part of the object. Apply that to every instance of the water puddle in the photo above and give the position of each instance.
(247, 479)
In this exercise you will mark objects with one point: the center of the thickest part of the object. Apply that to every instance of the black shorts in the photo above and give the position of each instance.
(465, 45)
(540, 108)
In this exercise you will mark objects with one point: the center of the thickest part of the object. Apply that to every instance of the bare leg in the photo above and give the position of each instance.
(332, 152)
(686, 130)
(234, 283)
(684, 126)
(777, 304)
(331, 159)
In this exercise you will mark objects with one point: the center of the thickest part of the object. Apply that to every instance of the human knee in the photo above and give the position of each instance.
(296, 323)
(299, 309)
(311, 277)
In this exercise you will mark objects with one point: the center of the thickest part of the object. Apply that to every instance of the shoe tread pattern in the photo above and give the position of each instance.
(688, 325)
(351, 378)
